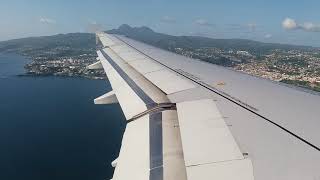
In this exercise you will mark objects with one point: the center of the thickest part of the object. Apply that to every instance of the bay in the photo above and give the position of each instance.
(50, 129)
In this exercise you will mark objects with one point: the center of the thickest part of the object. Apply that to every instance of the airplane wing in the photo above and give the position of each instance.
(188, 119)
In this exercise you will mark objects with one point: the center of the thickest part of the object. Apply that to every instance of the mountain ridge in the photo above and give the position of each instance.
(81, 42)
(168, 42)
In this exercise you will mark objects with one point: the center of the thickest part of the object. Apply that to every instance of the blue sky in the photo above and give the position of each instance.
(283, 21)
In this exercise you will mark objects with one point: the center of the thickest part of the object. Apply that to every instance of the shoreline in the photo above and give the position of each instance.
(62, 76)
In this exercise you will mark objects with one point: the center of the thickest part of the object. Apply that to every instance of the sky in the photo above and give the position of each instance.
(278, 21)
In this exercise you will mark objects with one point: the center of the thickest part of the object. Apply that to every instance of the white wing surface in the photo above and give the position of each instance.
(183, 123)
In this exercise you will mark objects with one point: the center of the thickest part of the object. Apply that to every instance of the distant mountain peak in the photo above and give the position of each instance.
(145, 29)
(124, 27)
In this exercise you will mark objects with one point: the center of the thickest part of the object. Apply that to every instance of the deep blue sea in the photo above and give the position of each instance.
(51, 130)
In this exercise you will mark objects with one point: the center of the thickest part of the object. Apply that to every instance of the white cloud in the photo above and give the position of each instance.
(203, 22)
(47, 20)
(291, 24)
(168, 19)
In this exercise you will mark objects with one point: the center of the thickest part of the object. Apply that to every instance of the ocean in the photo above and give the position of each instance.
(51, 130)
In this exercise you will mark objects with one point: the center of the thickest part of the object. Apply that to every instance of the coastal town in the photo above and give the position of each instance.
(290, 65)
(65, 66)
(297, 67)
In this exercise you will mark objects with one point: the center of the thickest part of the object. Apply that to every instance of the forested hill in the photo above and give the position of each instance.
(56, 45)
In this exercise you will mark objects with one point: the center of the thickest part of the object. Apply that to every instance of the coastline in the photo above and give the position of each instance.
(52, 122)
(62, 76)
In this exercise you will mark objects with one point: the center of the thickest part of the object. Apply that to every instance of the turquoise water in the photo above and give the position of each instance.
(50, 129)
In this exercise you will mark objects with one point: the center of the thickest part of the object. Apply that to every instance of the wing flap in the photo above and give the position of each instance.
(205, 136)
(134, 158)
(210, 151)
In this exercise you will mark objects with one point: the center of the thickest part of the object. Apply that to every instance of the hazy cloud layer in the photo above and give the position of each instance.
(252, 26)
(168, 19)
(47, 20)
(268, 36)
(94, 27)
(309, 26)
(203, 22)
(291, 24)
